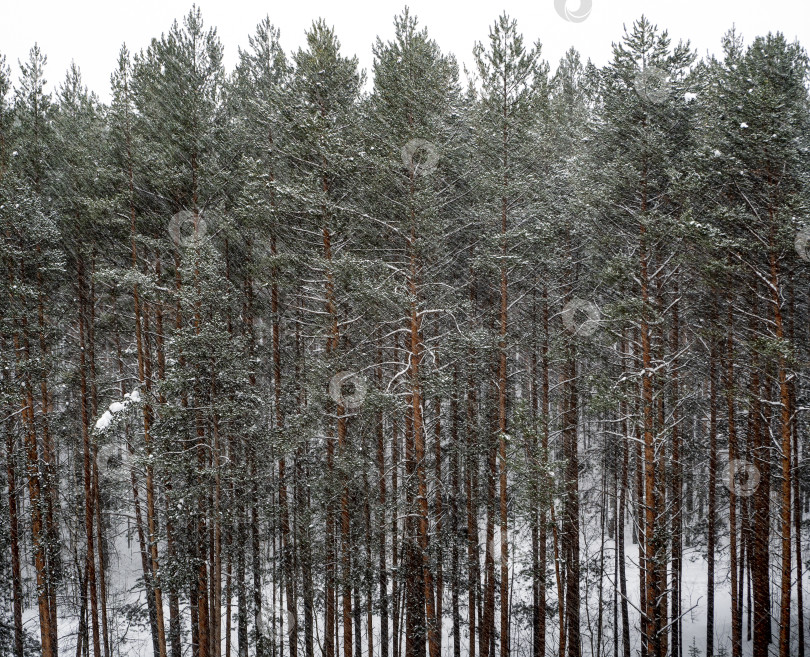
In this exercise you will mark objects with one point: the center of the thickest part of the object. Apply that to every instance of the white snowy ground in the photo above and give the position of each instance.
(131, 637)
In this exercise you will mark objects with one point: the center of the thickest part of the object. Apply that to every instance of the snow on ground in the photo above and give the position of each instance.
(131, 636)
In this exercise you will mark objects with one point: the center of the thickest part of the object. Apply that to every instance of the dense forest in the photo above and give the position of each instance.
(299, 360)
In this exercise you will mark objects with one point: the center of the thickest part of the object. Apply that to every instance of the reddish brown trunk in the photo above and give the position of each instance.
(558, 574)
(91, 349)
(542, 538)
(471, 491)
(48, 475)
(797, 509)
(331, 346)
(759, 536)
(736, 622)
(488, 620)
(455, 496)
(438, 524)
(87, 470)
(620, 525)
(395, 557)
(712, 511)
(785, 457)
(381, 519)
(502, 382)
(571, 513)
(676, 483)
(472, 513)
(640, 534)
(424, 602)
(34, 496)
(651, 611)
(14, 534)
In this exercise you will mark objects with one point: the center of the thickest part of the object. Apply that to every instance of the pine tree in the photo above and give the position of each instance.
(321, 117)
(414, 110)
(511, 77)
(32, 111)
(640, 111)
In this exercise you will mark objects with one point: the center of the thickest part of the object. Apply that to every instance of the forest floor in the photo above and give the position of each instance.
(130, 634)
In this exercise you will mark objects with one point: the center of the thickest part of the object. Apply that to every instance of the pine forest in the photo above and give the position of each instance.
(303, 360)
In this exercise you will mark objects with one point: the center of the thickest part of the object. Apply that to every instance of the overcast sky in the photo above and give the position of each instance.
(90, 32)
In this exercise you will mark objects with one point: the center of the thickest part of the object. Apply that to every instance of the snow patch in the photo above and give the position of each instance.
(116, 407)
(104, 421)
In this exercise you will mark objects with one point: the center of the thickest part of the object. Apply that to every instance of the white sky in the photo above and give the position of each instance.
(92, 31)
